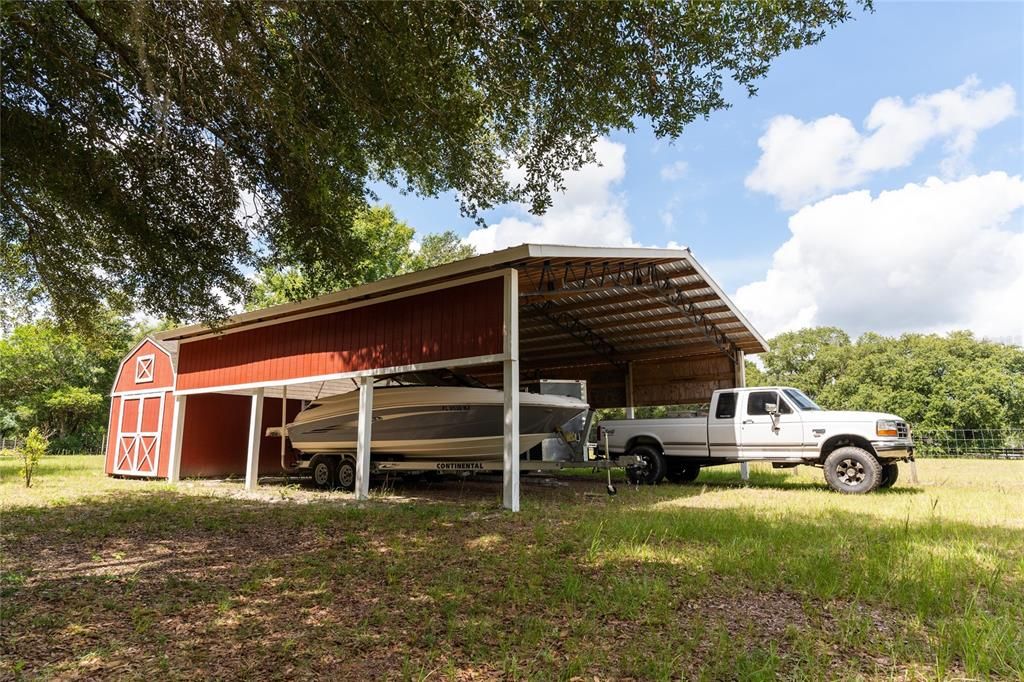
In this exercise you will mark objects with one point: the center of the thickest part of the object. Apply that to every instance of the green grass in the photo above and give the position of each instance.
(716, 580)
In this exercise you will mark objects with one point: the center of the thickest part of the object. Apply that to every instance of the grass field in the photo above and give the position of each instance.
(110, 578)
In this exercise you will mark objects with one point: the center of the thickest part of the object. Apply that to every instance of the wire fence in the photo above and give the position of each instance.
(9, 445)
(984, 443)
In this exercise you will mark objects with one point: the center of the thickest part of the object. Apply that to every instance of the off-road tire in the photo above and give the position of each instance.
(682, 472)
(852, 471)
(345, 475)
(322, 469)
(890, 472)
(655, 468)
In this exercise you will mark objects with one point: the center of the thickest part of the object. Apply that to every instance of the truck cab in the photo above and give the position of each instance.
(777, 424)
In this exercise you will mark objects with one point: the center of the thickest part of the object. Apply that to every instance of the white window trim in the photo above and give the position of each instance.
(140, 377)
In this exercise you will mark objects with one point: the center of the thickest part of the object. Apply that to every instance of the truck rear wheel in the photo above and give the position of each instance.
(653, 468)
(890, 472)
(853, 471)
(682, 472)
(322, 469)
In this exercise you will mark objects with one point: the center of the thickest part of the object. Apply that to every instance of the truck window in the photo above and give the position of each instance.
(757, 401)
(726, 408)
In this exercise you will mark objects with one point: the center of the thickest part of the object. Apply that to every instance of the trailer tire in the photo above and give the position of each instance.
(890, 472)
(853, 471)
(322, 469)
(346, 474)
(682, 472)
(653, 469)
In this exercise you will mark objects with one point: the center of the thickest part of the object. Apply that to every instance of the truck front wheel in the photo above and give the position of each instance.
(652, 469)
(853, 471)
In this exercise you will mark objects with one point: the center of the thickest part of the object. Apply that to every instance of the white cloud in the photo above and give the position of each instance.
(674, 171)
(802, 161)
(934, 256)
(589, 212)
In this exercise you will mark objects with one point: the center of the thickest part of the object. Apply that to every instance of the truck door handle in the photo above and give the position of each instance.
(748, 421)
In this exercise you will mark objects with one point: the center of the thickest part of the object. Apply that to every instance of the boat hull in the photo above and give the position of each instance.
(431, 423)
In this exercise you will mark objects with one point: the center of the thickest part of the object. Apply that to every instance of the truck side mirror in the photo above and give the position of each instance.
(771, 408)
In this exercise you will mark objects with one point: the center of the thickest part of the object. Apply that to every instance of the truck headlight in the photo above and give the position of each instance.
(886, 427)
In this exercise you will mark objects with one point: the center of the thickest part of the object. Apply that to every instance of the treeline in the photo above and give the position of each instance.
(59, 380)
(953, 381)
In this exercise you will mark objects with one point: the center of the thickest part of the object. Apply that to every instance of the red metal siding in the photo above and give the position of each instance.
(216, 435)
(163, 374)
(457, 322)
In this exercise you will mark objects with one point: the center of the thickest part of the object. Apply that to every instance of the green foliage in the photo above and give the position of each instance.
(153, 151)
(438, 249)
(389, 252)
(953, 381)
(59, 380)
(30, 453)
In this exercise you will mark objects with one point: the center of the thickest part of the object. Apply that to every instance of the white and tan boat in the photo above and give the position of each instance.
(430, 422)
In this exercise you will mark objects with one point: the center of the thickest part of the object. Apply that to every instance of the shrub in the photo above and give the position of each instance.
(31, 452)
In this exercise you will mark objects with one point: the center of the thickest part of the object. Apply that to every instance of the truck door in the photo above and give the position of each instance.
(724, 425)
(759, 438)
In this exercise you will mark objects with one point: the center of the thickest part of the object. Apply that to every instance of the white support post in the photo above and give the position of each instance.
(252, 464)
(510, 386)
(630, 411)
(177, 431)
(284, 420)
(364, 437)
(740, 367)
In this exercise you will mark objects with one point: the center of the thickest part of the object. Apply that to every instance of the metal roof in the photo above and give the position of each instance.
(578, 305)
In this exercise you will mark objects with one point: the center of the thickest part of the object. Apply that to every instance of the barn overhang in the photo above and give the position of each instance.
(641, 326)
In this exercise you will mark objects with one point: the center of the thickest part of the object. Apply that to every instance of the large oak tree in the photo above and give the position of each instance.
(154, 151)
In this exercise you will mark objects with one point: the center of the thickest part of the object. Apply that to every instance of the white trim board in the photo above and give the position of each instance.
(379, 371)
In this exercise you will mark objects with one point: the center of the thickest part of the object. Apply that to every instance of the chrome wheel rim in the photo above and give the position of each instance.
(320, 474)
(346, 475)
(850, 472)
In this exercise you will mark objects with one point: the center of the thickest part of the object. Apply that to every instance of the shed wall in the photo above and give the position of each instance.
(216, 435)
(456, 322)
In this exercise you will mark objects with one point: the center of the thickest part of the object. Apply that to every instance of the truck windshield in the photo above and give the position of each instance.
(802, 401)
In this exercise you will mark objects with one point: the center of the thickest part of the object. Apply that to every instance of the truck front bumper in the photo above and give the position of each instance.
(894, 448)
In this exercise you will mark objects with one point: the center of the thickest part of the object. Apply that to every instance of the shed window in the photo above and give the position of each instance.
(144, 369)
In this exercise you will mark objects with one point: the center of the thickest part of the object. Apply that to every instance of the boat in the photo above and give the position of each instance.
(430, 422)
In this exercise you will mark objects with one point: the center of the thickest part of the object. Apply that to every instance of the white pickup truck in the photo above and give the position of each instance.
(859, 451)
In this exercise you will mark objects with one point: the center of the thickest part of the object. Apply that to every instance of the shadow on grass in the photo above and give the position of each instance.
(144, 583)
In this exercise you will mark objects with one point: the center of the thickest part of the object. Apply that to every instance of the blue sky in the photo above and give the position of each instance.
(766, 238)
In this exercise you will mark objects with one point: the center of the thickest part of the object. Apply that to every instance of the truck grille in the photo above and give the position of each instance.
(902, 430)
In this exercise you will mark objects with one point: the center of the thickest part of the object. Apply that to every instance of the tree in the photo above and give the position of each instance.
(59, 380)
(154, 151)
(30, 453)
(808, 359)
(953, 381)
(439, 249)
(390, 253)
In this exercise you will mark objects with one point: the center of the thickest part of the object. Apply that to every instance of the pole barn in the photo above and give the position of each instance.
(641, 326)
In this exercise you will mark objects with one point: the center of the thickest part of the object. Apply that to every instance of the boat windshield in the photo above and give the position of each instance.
(802, 401)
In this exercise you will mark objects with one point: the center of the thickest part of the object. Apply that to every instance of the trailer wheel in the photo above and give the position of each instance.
(682, 472)
(890, 472)
(853, 471)
(347, 474)
(651, 471)
(323, 471)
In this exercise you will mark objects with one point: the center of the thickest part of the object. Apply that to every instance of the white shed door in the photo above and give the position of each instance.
(138, 437)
